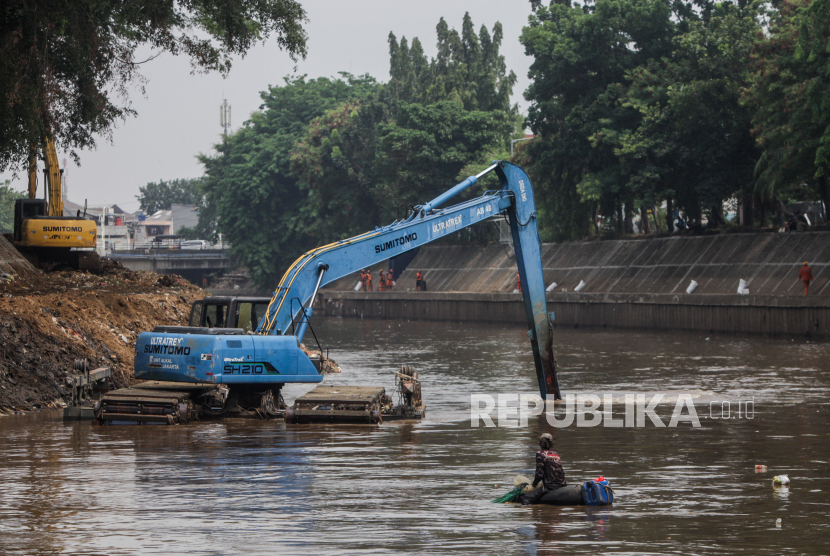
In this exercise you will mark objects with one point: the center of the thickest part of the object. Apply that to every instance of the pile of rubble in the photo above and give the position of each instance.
(47, 320)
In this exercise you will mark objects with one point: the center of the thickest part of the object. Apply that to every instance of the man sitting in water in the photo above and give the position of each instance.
(548, 470)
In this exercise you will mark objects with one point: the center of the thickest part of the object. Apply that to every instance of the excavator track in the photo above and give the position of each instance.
(152, 402)
(142, 405)
(177, 403)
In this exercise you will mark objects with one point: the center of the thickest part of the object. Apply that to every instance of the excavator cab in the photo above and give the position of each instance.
(229, 312)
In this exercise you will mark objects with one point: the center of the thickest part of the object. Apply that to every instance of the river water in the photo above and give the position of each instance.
(254, 487)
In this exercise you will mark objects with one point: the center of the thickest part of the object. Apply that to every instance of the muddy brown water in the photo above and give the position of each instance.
(252, 487)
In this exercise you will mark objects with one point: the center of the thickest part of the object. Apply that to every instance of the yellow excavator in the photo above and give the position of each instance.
(42, 233)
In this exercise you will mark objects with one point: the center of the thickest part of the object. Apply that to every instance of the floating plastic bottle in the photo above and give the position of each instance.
(778, 523)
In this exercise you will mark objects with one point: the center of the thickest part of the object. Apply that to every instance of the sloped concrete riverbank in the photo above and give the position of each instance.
(629, 284)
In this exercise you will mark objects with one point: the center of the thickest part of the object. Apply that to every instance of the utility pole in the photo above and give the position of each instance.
(104, 232)
(225, 116)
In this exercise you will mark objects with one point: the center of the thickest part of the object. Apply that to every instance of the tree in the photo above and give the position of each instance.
(423, 151)
(189, 233)
(250, 191)
(361, 170)
(335, 166)
(468, 69)
(788, 95)
(636, 102)
(581, 57)
(7, 198)
(378, 155)
(326, 159)
(67, 66)
(154, 196)
(693, 144)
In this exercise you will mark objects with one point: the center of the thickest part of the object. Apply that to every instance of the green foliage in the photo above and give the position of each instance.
(423, 151)
(335, 165)
(789, 97)
(67, 66)
(251, 194)
(637, 101)
(327, 159)
(362, 170)
(190, 233)
(154, 196)
(814, 52)
(582, 57)
(468, 69)
(7, 198)
(693, 143)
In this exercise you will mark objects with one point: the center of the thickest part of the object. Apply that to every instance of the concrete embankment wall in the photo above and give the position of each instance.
(629, 284)
(768, 262)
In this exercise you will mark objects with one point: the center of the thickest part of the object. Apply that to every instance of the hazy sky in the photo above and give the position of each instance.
(178, 117)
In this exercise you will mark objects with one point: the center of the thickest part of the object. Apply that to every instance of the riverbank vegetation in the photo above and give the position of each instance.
(644, 103)
(327, 158)
(639, 109)
(68, 66)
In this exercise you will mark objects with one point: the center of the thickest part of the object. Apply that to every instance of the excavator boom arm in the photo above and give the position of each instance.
(426, 224)
(53, 178)
(52, 175)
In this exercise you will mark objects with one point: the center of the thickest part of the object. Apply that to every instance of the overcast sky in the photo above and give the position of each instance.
(178, 117)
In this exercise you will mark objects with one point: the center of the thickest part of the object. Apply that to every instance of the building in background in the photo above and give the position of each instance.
(184, 216)
(114, 224)
(121, 230)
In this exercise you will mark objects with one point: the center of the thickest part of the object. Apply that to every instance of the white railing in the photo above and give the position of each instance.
(126, 245)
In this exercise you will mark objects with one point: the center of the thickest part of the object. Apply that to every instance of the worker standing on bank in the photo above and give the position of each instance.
(806, 276)
(519, 282)
(389, 281)
(418, 278)
(363, 279)
(369, 280)
(382, 282)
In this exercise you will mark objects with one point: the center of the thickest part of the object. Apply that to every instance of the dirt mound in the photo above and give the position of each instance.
(12, 262)
(49, 320)
(170, 281)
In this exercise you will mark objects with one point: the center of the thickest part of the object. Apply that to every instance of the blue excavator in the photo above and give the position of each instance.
(251, 366)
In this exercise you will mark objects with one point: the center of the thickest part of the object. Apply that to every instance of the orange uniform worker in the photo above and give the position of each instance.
(363, 279)
(806, 276)
(418, 277)
(389, 282)
(519, 282)
(369, 279)
(382, 282)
